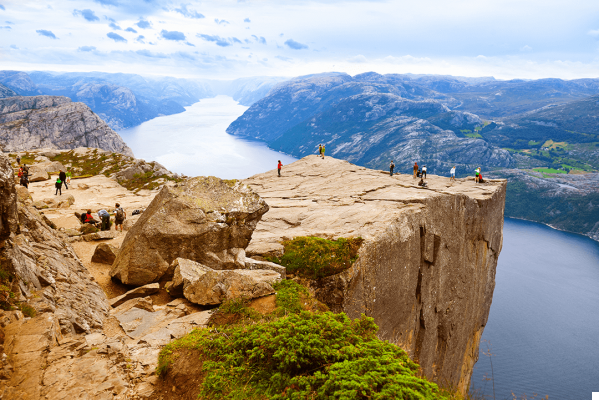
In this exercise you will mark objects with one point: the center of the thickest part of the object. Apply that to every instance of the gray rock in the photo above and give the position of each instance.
(142, 291)
(102, 235)
(204, 219)
(205, 286)
(36, 174)
(28, 123)
(250, 263)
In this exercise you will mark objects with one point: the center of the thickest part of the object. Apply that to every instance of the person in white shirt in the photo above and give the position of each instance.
(424, 171)
(452, 173)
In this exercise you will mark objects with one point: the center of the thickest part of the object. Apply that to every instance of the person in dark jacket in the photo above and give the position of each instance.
(63, 177)
(58, 186)
(391, 167)
(24, 181)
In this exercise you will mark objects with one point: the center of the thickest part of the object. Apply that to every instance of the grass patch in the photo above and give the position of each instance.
(302, 356)
(549, 171)
(474, 135)
(315, 258)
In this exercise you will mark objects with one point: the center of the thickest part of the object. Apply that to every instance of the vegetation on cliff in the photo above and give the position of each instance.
(315, 258)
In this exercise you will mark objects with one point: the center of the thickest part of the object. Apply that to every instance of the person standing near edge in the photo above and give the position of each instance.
(323, 149)
(63, 177)
(119, 217)
(477, 174)
(424, 171)
(415, 170)
(320, 150)
(391, 168)
(452, 173)
(279, 166)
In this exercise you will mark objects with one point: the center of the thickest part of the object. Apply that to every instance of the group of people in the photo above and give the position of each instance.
(23, 174)
(321, 150)
(104, 216)
(421, 173)
(64, 178)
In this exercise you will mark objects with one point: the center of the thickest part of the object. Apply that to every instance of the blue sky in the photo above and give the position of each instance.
(231, 39)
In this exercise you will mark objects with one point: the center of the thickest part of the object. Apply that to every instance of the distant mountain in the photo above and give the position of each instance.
(246, 91)
(6, 92)
(35, 122)
(19, 82)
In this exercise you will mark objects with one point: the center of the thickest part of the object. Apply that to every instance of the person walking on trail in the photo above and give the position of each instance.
(476, 174)
(424, 171)
(391, 168)
(58, 186)
(25, 170)
(415, 170)
(69, 174)
(63, 177)
(322, 151)
(105, 218)
(19, 160)
(119, 218)
(279, 166)
(452, 174)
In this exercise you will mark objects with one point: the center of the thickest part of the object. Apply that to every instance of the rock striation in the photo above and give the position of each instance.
(54, 122)
(203, 219)
(426, 269)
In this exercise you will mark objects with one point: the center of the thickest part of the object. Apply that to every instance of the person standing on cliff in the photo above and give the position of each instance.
(279, 166)
(63, 177)
(452, 174)
(320, 150)
(415, 170)
(323, 149)
(424, 171)
(391, 167)
(476, 174)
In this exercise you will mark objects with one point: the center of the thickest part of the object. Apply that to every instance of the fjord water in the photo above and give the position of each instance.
(195, 142)
(544, 323)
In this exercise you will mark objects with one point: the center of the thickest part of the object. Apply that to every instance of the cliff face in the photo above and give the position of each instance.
(35, 122)
(426, 271)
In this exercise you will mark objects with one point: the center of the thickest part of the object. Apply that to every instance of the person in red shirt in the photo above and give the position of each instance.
(279, 167)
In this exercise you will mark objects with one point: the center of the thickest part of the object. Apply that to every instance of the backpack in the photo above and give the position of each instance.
(83, 218)
(120, 214)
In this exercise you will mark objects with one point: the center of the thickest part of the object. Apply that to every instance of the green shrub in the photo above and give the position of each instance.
(234, 311)
(315, 258)
(289, 296)
(302, 356)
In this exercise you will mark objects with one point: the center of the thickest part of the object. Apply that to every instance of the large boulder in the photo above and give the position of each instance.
(143, 291)
(206, 286)
(37, 174)
(204, 219)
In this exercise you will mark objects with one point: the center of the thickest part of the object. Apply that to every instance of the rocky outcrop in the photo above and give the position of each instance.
(54, 122)
(203, 219)
(426, 269)
(104, 254)
(6, 92)
(206, 286)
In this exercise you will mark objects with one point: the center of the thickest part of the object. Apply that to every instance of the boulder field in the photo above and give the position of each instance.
(426, 270)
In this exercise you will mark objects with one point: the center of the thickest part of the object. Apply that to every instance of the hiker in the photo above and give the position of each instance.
(119, 218)
(391, 167)
(424, 171)
(19, 160)
(415, 170)
(24, 182)
(25, 170)
(452, 174)
(323, 151)
(68, 176)
(480, 178)
(320, 150)
(20, 173)
(63, 177)
(105, 217)
(476, 174)
(422, 182)
(279, 166)
(88, 218)
(58, 186)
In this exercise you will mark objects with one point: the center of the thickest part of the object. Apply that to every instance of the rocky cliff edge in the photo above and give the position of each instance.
(426, 271)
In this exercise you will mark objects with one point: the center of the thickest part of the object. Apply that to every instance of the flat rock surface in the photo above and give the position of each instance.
(332, 198)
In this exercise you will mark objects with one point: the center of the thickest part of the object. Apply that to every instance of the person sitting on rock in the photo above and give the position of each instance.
(89, 218)
(105, 217)
(63, 177)
(422, 182)
(58, 186)
(119, 218)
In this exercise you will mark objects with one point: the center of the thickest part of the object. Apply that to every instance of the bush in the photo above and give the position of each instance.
(315, 258)
(289, 297)
(302, 356)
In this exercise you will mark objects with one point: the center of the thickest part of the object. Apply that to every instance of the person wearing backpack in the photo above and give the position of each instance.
(63, 177)
(58, 186)
(119, 218)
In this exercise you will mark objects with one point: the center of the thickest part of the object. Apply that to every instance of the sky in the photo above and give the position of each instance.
(228, 39)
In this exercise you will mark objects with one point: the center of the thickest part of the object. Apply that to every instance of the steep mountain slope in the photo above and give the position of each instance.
(28, 123)
(6, 92)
